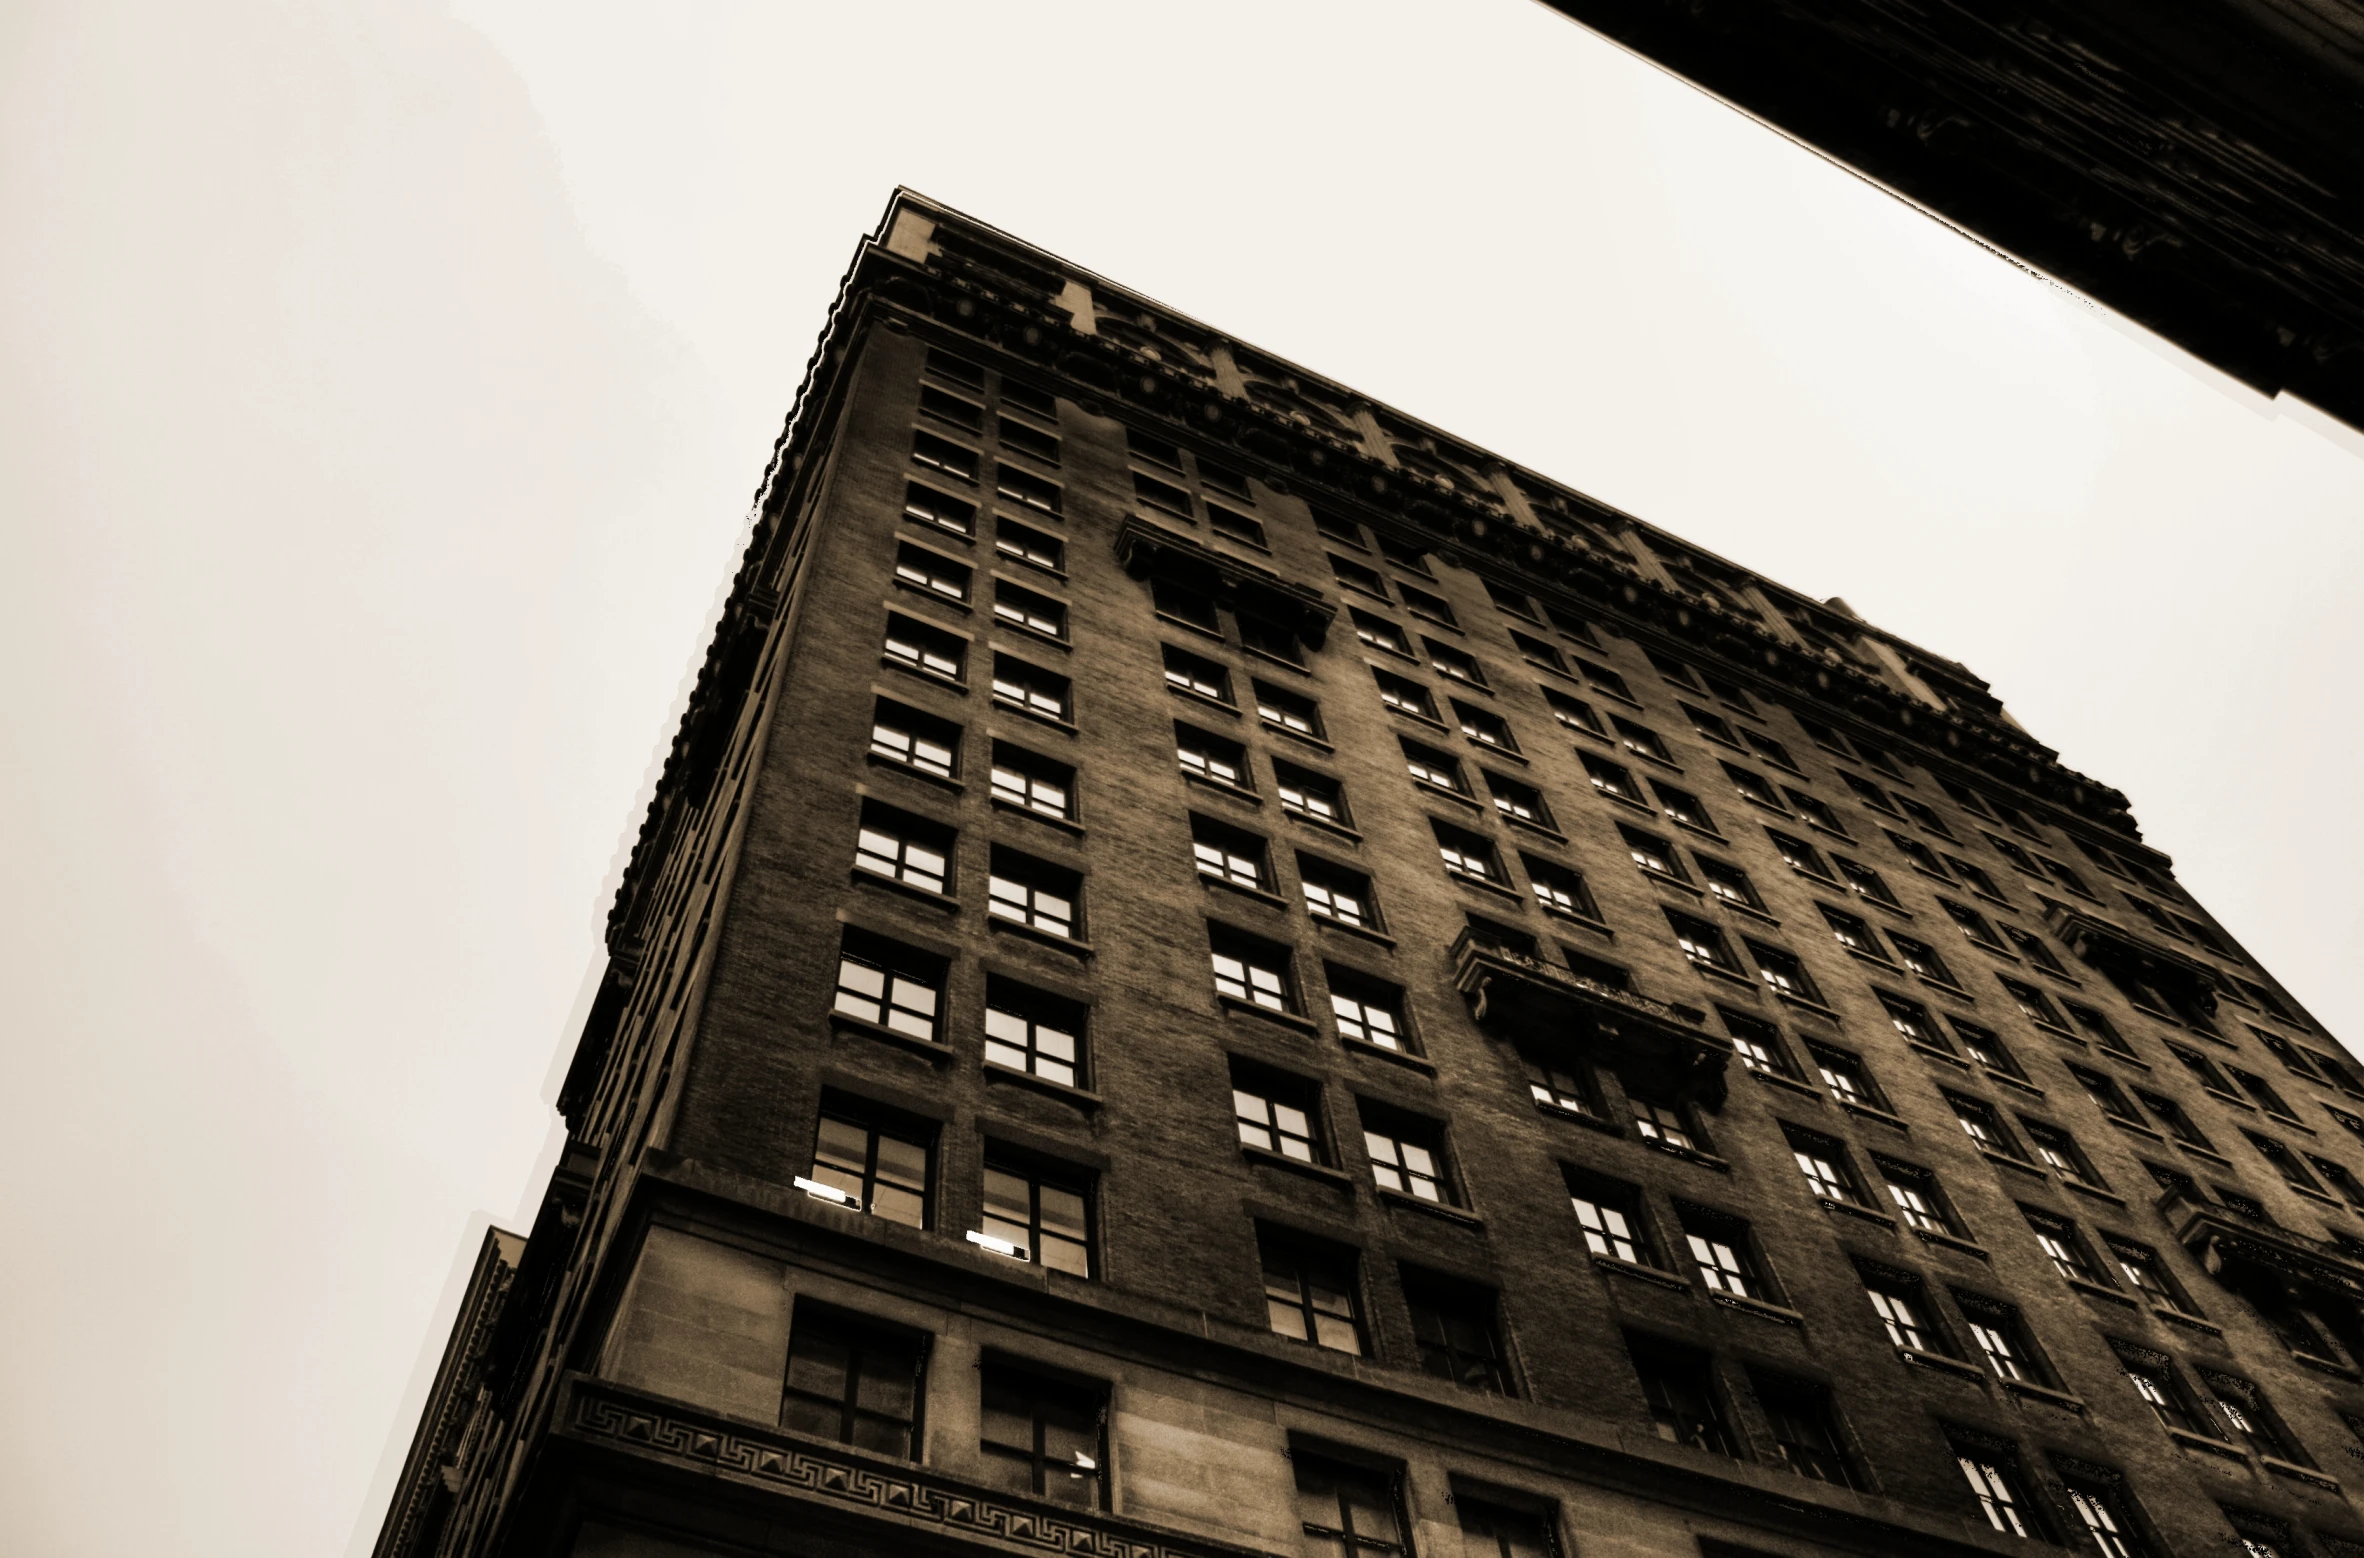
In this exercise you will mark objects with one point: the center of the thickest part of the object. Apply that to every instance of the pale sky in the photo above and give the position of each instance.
(382, 388)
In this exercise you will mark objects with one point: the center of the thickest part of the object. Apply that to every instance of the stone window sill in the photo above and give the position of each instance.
(1335, 1178)
(1452, 1214)
(1081, 1098)
(1649, 1274)
(1232, 1003)
(1066, 944)
(1758, 1307)
(1407, 1060)
(936, 1053)
(934, 900)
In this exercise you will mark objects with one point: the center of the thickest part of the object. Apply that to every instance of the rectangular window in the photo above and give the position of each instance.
(1864, 880)
(1805, 1425)
(1017, 437)
(1574, 713)
(1333, 892)
(2149, 1275)
(1757, 1043)
(1251, 969)
(1500, 1532)
(1024, 487)
(1985, 1127)
(1513, 601)
(2285, 1163)
(1210, 757)
(2243, 1407)
(1411, 559)
(1784, 972)
(872, 1160)
(1972, 924)
(1228, 854)
(1896, 1297)
(1447, 661)
(1560, 1081)
(1407, 1154)
(1484, 727)
(904, 848)
(1823, 1160)
(1845, 1074)
(1287, 711)
(1348, 1511)
(1799, 855)
(1923, 959)
(1607, 681)
(942, 510)
(1035, 893)
(1367, 1010)
(2033, 949)
(1034, 1032)
(1304, 793)
(1994, 1480)
(1752, 787)
(1379, 633)
(1029, 610)
(1405, 696)
(956, 370)
(1517, 801)
(1722, 1250)
(1030, 689)
(1703, 943)
(1653, 853)
(1560, 889)
(2103, 1510)
(1224, 480)
(1261, 635)
(1044, 1436)
(1355, 576)
(1769, 749)
(1853, 932)
(942, 454)
(1678, 1383)
(1869, 793)
(1915, 1194)
(887, 983)
(1536, 652)
(915, 646)
(2154, 1378)
(1611, 779)
(1921, 855)
(1469, 855)
(1028, 400)
(1037, 1212)
(1683, 807)
(1433, 607)
(928, 571)
(1032, 782)
(1154, 450)
(905, 735)
(1815, 812)
(1641, 739)
(2058, 1151)
(853, 1381)
(2110, 1098)
(1912, 1019)
(2267, 1099)
(1980, 883)
(1025, 544)
(1178, 602)
(2062, 1245)
(1309, 1292)
(1233, 525)
(1729, 883)
(2003, 1339)
(1457, 1329)
(2179, 1124)
(1713, 726)
(1987, 1048)
(1338, 529)
(1610, 1214)
(1196, 674)
(1924, 817)
(2033, 1003)
(1277, 1113)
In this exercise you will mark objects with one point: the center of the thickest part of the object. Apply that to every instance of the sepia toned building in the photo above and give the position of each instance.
(1214, 971)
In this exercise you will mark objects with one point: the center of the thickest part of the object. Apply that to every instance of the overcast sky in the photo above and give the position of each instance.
(382, 387)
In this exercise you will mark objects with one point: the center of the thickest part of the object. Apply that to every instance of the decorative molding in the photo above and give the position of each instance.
(1143, 548)
(1668, 1044)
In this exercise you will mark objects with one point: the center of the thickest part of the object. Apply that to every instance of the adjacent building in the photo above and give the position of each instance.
(1215, 971)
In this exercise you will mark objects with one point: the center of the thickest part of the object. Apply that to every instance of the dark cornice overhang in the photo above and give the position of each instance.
(1663, 1048)
(2197, 165)
(1144, 549)
(2106, 944)
(2229, 1246)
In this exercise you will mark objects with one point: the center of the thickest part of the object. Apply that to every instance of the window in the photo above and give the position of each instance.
(1537, 652)
(1918, 1201)
(1560, 889)
(1484, 728)
(1193, 674)
(1729, 883)
(2102, 1508)
(1574, 713)
(942, 510)
(956, 370)
(964, 414)
(1561, 1081)
(1211, 758)
(872, 1161)
(1304, 793)
(904, 848)
(1355, 576)
(1502, 1532)
(1679, 1385)
(2058, 1238)
(1228, 854)
(1752, 787)
(1405, 696)
(1757, 1043)
(1286, 711)
(1030, 689)
(1923, 858)
(887, 983)
(1825, 737)
(2076, 884)
(1406, 1154)
(2267, 1099)
(1724, 692)
(2013, 853)
(1411, 559)
(1261, 635)
(1380, 633)
(1367, 1010)
(1609, 1213)
(1713, 726)
(1922, 959)
(1641, 739)
(853, 1381)
(1026, 488)
(1815, 812)
(1824, 1163)
(1769, 749)
(2099, 1029)
(1155, 450)
(1433, 607)
(914, 646)
(1224, 480)
(1611, 779)
(1721, 1248)
(1864, 880)
(2033, 949)
(1024, 608)
(1897, 1299)
(1703, 943)
(1468, 854)
(2339, 1178)
(1607, 681)
(1846, 1076)
(1235, 526)
(1038, 1212)
(1029, 545)
(1575, 627)
(1869, 793)
(1993, 1475)
(2033, 1003)
(2154, 1378)
(1017, 437)
(1984, 1127)
(1980, 883)
(1500, 937)
(1034, 893)
(916, 740)
(2179, 1124)
(1683, 807)
(1852, 932)
(1517, 801)
(1332, 892)
(1043, 1436)
(1032, 783)
(2203, 1068)
(1309, 1292)
(1277, 1113)
(942, 454)
(1799, 855)
(2057, 1150)
(1347, 1511)
(1178, 602)
(2107, 1095)
(2243, 1408)
(1653, 853)
(1513, 601)
(1445, 660)
(1785, 973)
(1923, 816)
(1251, 969)
(931, 571)
(2286, 1163)
(1987, 1048)
(1455, 1326)
(1971, 924)
(1912, 1019)
(1805, 1427)
(1028, 400)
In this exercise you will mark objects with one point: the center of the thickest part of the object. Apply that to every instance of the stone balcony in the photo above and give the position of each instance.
(1659, 1046)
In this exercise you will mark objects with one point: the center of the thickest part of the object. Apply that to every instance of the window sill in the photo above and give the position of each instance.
(1268, 899)
(1725, 974)
(2318, 1197)
(1735, 906)
(1195, 696)
(1347, 928)
(1299, 736)
(913, 771)
(1828, 831)
(2095, 1192)
(1776, 1079)
(1335, 829)
(1449, 626)
(1932, 1052)
(1885, 907)
(1539, 829)
(1873, 958)
(2046, 1394)
(1451, 1214)
(2096, 1290)
(2189, 1322)
(1045, 818)
(1431, 787)
(1396, 1057)
(1675, 882)
(2005, 1160)
(2229, 1101)
(1218, 787)
(1056, 722)
(933, 679)
(933, 900)
(1461, 682)
(1066, 944)
(1416, 717)
(1806, 1004)
(1496, 888)
(1777, 1313)
(1597, 927)
(935, 597)
(2298, 1473)
(2133, 1128)
(1495, 749)
(2292, 1121)
(1950, 1242)
(1868, 1112)
(1336, 1179)
(1234, 1005)
(1641, 1273)
(1947, 987)
(1188, 626)
(1029, 563)
(1269, 658)
(1405, 655)
(1850, 1209)
(1614, 798)
(1916, 1358)
(1689, 1154)
(1591, 1122)
(2323, 1365)
(1081, 1098)
(1035, 635)
(2206, 1443)
(2206, 1154)
(936, 1053)
(1697, 831)
(2026, 1087)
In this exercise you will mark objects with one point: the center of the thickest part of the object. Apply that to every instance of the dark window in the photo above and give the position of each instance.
(1033, 402)
(1784, 972)
(1277, 1112)
(1038, 1212)
(1725, 692)
(1028, 1030)
(1815, 812)
(2033, 949)
(942, 454)
(1333, 892)
(1679, 1385)
(1971, 924)
(1347, 1511)
(2339, 1178)
(1537, 652)
(1702, 943)
(1211, 757)
(955, 370)
(1433, 607)
(2243, 1408)
(872, 1160)
(1869, 793)
(1155, 450)
(1724, 1252)
(1484, 727)
(1251, 969)
(1518, 801)
(1752, 787)
(1574, 713)
(1357, 577)
(2267, 1099)
(1673, 670)
(1027, 488)
(1491, 1529)
(2065, 1247)
(1979, 881)
(1799, 855)
(1030, 689)
(1609, 1212)
(1641, 739)
(1757, 1043)
(1304, 793)
(852, 1381)
(904, 848)
(1029, 545)
(1044, 1436)
(887, 983)
(2179, 1124)
(1337, 529)
(1924, 816)
(1652, 853)
(1032, 443)
(1288, 711)
(1034, 893)
(1611, 779)
(2110, 1098)
(942, 510)
(915, 646)
(2033, 1003)
(1574, 626)
(1561, 1081)
(1805, 1426)
(1451, 662)
(1853, 932)
(2285, 1162)
(1458, 1331)
(1683, 807)
(1367, 1010)
(1223, 479)
(1411, 559)
(1501, 937)
(1560, 889)
(1229, 854)
(1268, 638)
(1034, 612)
(2099, 1029)
(1237, 526)
(1180, 603)
(1513, 601)
(905, 735)
(1309, 1292)
(1379, 633)
(1194, 673)
(1406, 1153)
(1405, 696)
(1825, 737)
(1607, 681)
(1915, 851)
(1468, 854)
(1863, 879)
(1713, 726)
(1769, 749)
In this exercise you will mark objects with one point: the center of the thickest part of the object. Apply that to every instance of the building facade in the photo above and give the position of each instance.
(1214, 971)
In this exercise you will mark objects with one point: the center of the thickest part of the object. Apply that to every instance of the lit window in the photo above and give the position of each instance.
(1665, 1124)
(1304, 793)
(1251, 970)
(1720, 1248)
(1029, 545)
(1405, 697)
(1484, 728)
(1467, 854)
(1821, 1160)
(1798, 855)
(1447, 661)
(1029, 689)
(925, 570)
(1038, 1215)
(1028, 1031)
(904, 848)
(1560, 1083)
(1033, 893)
(1922, 959)
(1380, 633)
(1729, 883)
(1367, 1011)
(1652, 853)
(1610, 779)
(1574, 713)
(1608, 1214)
(1275, 1114)
(1229, 854)
(915, 646)
(1026, 488)
(886, 983)
(1026, 609)
(1335, 893)
(873, 1165)
(1190, 673)
(1032, 783)
(1997, 1490)
(1758, 1044)
(905, 735)
(1683, 807)
(1284, 710)
(945, 512)
(1405, 1163)
(1785, 973)
(1914, 1192)
(1521, 802)
(1702, 943)
(1309, 1295)
(1210, 757)
(1560, 890)
(1641, 739)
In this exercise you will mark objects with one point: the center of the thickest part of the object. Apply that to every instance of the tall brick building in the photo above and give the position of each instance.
(1214, 971)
